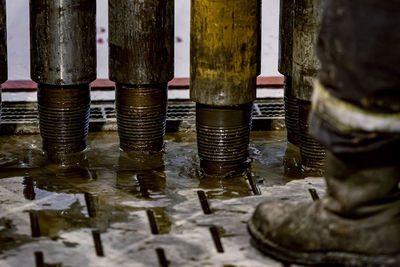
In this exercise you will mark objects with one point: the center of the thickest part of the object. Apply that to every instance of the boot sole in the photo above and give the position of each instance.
(329, 258)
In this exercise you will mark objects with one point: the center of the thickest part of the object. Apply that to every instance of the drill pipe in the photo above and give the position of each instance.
(141, 44)
(312, 152)
(63, 63)
(223, 138)
(64, 117)
(3, 45)
(141, 116)
(285, 60)
(307, 19)
(285, 67)
(224, 66)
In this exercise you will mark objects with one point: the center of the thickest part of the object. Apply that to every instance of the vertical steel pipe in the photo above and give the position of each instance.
(307, 19)
(141, 40)
(225, 43)
(285, 68)
(3, 46)
(291, 160)
(63, 63)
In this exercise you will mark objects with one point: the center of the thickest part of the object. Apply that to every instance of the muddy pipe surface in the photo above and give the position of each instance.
(291, 112)
(225, 62)
(3, 46)
(285, 63)
(224, 51)
(63, 63)
(312, 152)
(141, 116)
(307, 20)
(285, 59)
(3, 63)
(3, 42)
(63, 41)
(141, 44)
(63, 117)
(223, 138)
(141, 41)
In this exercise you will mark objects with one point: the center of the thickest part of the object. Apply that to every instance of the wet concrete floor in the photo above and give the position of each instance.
(117, 209)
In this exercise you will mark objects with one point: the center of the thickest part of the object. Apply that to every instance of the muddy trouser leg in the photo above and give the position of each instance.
(356, 105)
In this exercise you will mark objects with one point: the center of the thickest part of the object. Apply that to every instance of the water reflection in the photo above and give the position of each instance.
(9, 237)
(225, 188)
(7, 159)
(141, 174)
(29, 189)
(71, 197)
(292, 162)
(109, 190)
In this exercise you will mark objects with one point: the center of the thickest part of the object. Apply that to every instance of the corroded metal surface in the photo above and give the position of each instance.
(63, 41)
(286, 37)
(21, 118)
(259, 37)
(141, 44)
(312, 152)
(141, 116)
(224, 51)
(307, 19)
(64, 117)
(223, 138)
(3, 49)
(3, 42)
(291, 113)
(141, 41)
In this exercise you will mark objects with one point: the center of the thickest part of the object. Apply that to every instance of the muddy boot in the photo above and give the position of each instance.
(356, 224)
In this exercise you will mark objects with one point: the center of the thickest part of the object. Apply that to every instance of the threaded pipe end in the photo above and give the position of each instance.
(291, 112)
(312, 152)
(223, 138)
(64, 118)
(141, 116)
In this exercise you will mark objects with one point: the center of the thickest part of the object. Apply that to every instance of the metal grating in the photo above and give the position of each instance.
(22, 117)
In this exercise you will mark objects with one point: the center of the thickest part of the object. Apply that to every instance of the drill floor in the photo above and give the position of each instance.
(118, 214)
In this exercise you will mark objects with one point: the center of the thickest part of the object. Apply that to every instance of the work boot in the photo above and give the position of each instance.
(357, 223)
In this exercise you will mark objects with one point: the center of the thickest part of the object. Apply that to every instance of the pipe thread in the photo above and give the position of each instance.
(223, 138)
(64, 117)
(291, 113)
(141, 116)
(312, 152)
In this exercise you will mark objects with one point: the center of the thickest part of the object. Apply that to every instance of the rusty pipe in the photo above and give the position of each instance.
(141, 43)
(307, 20)
(285, 63)
(3, 45)
(63, 63)
(225, 43)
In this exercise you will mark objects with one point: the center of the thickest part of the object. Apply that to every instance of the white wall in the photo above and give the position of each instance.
(18, 38)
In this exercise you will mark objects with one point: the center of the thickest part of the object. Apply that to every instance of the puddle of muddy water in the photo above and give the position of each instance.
(106, 187)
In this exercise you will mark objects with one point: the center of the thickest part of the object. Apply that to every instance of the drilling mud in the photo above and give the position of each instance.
(108, 207)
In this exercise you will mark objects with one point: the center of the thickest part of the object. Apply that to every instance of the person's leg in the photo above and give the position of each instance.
(356, 115)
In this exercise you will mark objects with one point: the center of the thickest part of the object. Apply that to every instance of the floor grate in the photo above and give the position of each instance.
(23, 118)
